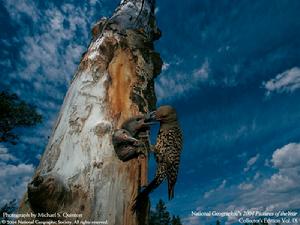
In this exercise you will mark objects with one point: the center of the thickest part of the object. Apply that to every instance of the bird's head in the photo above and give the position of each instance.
(163, 114)
(122, 136)
(136, 124)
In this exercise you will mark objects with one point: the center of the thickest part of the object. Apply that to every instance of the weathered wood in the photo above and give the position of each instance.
(47, 193)
(114, 81)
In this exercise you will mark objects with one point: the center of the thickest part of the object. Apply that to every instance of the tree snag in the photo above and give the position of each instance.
(79, 168)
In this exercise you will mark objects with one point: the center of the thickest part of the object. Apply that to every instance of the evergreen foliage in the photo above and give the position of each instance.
(15, 113)
(160, 216)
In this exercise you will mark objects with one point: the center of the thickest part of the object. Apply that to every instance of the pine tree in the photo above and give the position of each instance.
(162, 213)
(218, 222)
(9, 207)
(15, 113)
(160, 216)
(176, 220)
(153, 219)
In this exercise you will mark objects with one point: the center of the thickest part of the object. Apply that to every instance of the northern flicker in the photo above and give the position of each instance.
(132, 139)
(136, 125)
(126, 146)
(167, 151)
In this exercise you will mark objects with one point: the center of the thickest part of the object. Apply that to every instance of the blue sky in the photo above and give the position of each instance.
(231, 68)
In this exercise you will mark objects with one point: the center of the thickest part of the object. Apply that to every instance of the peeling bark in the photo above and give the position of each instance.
(114, 81)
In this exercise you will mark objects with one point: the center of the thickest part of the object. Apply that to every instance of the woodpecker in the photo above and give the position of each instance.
(132, 139)
(136, 125)
(167, 151)
(125, 145)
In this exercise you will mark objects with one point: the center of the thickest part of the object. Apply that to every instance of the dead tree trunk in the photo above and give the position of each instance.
(79, 172)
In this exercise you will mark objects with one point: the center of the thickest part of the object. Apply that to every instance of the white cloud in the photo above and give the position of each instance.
(219, 188)
(257, 175)
(8, 170)
(4, 155)
(283, 181)
(287, 161)
(251, 162)
(51, 52)
(279, 191)
(288, 156)
(288, 81)
(16, 8)
(168, 86)
(245, 186)
(191, 220)
(165, 66)
(202, 72)
(6, 63)
(224, 48)
(14, 180)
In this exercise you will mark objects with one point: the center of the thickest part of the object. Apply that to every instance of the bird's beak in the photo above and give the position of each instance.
(150, 118)
(128, 138)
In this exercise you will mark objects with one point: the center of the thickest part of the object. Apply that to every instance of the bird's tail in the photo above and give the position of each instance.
(170, 190)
